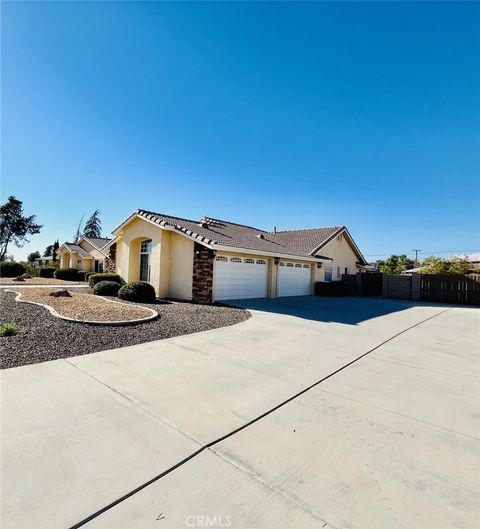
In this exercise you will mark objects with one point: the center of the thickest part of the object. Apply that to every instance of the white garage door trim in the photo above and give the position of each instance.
(240, 278)
(294, 279)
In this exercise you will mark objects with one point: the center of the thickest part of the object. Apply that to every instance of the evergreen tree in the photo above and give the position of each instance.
(93, 226)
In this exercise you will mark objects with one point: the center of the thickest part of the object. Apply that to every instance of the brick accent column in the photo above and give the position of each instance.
(110, 262)
(202, 286)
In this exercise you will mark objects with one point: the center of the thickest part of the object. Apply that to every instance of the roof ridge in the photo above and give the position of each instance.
(234, 223)
(308, 229)
(165, 215)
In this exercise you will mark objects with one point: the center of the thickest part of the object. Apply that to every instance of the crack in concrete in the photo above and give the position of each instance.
(400, 414)
(276, 490)
(161, 420)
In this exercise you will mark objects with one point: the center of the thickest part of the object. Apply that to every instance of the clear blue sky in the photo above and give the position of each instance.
(287, 114)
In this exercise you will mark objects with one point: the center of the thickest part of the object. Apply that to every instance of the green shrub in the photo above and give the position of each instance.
(33, 271)
(8, 329)
(46, 271)
(334, 289)
(11, 269)
(88, 274)
(95, 278)
(137, 291)
(106, 288)
(67, 274)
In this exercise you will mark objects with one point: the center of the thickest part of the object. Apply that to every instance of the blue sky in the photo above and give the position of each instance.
(270, 114)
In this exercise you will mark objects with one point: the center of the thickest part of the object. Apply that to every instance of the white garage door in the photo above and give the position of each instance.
(240, 278)
(294, 279)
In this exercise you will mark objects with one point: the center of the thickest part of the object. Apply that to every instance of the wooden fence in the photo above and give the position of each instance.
(450, 289)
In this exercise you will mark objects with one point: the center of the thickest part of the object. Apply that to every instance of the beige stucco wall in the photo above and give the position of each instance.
(181, 269)
(343, 256)
(92, 250)
(171, 261)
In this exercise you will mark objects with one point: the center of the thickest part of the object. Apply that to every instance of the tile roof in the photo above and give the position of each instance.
(307, 240)
(98, 242)
(221, 232)
(78, 249)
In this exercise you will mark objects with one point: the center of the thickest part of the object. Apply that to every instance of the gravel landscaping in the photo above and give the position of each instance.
(84, 306)
(38, 281)
(43, 337)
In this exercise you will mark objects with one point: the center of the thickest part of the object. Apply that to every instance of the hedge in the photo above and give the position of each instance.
(88, 274)
(106, 288)
(334, 289)
(139, 291)
(95, 278)
(11, 269)
(68, 274)
(46, 271)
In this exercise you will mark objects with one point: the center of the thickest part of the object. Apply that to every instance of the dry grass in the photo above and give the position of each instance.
(38, 281)
(85, 307)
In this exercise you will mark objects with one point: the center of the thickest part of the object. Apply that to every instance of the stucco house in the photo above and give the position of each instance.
(88, 255)
(212, 260)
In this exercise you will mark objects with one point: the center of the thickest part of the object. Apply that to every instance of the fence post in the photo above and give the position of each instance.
(416, 287)
(358, 284)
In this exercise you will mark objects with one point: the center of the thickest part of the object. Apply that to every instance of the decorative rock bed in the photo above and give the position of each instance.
(85, 308)
(42, 337)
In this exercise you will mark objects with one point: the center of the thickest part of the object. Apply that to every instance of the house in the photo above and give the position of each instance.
(88, 255)
(211, 260)
(42, 261)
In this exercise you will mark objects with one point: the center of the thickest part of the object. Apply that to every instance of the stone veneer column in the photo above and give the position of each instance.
(202, 286)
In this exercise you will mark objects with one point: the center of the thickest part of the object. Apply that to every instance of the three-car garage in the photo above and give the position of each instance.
(238, 277)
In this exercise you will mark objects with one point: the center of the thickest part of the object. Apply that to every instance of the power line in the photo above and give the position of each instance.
(429, 252)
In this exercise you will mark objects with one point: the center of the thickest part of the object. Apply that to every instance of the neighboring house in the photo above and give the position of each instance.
(88, 254)
(211, 260)
(42, 261)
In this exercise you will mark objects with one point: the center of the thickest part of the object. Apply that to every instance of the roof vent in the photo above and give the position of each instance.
(203, 225)
(261, 236)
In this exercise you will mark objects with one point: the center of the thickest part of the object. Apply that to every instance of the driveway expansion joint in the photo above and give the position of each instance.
(243, 427)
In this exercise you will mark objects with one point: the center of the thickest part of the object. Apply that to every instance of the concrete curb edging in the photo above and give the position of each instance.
(153, 316)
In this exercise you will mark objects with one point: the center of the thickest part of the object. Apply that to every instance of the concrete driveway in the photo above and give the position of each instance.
(270, 423)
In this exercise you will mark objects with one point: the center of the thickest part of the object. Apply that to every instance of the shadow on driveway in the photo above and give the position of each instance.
(347, 310)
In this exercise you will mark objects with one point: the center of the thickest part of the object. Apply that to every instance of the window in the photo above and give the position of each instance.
(281, 264)
(339, 238)
(339, 272)
(79, 261)
(249, 261)
(347, 270)
(328, 273)
(261, 261)
(298, 266)
(221, 258)
(290, 265)
(145, 252)
(306, 266)
(235, 259)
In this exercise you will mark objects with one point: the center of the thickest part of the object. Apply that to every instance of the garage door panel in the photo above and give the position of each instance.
(294, 279)
(240, 278)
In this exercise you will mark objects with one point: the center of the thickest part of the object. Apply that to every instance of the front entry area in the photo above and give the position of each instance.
(240, 278)
(294, 279)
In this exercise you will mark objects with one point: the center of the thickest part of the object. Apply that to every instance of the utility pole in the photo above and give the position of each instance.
(416, 257)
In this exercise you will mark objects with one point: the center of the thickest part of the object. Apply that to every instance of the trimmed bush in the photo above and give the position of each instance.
(139, 291)
(334, 289)
(46, 271)
(67, 274)
(11, 269)
(8, 329)
(96, 277)
(106, 288)
(88, 274)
